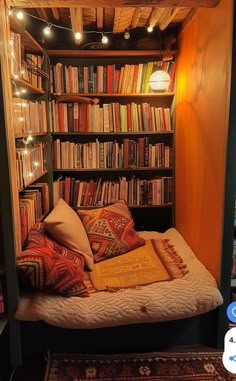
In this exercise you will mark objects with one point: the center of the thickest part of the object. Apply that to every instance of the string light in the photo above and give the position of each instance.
(77, 35)
(104, 39)
(47, 30)
(20, 15)
(127, 35)
(149, 29)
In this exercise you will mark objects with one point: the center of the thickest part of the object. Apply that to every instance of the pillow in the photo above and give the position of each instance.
(110, 230)
(59, 270)
(65, 226)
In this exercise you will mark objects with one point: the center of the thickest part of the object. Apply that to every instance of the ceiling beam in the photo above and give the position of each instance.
(76, 21)
(122, 19)
(155, 16)
(168, 15)
(42, 13)
(113, 3)
(136, 17)
(99, 18)
(56, 14)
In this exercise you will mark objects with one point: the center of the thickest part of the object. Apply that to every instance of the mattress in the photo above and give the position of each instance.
(195, 293)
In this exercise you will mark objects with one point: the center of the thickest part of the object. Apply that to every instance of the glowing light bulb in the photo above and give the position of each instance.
(104, 39)
(149, 29)
(78, 36)
(47, 30)
(20, 15)
(36, 164)
(30, 138)
(126, 35)
(25, 152)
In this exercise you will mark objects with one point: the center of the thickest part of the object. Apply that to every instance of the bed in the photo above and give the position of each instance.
(191, 295)
(192, 300)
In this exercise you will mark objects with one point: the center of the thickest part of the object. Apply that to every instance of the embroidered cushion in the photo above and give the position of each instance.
(110, 230)
(65, 226)
(48, 266)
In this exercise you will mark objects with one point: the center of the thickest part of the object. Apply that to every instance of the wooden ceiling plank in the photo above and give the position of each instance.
(117, 17)
(155, 16)
(122, 19)
(136, 17)
(76, 21)
(114, 3)
(42, 13)
(169, 14)
(56, 14)
(99, 18)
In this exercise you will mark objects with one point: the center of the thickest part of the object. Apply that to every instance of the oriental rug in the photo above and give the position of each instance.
(157, 366)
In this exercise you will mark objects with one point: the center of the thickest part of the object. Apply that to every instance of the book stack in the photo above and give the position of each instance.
(112, 117)
(127, 79)
(129, 153)
(135, 191)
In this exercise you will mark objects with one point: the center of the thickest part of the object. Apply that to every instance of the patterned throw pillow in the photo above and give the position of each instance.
(110, 230)
(48, 266)
(65, 226)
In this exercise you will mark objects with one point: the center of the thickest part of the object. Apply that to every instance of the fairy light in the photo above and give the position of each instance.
(20, 15)
(149, 29)
(127, 35)
(47, 30)
(104, 39)
(78, 36)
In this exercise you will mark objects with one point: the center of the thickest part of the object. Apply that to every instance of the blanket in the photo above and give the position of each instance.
(156, 261)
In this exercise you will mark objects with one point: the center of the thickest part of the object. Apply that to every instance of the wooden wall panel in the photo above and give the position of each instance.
(202, 106)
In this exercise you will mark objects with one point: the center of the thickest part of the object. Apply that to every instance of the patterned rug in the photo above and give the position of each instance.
(157, 366)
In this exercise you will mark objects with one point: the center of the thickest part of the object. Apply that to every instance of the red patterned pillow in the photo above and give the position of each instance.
(47, 265)
(45, 270)
(110, 230)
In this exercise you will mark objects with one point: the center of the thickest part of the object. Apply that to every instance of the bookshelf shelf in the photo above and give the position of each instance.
(141, 169)
(109, 53)
(27, 85)
(118, 133)
(33, 180)
(28, 42)
(34, 134)
(66, 97)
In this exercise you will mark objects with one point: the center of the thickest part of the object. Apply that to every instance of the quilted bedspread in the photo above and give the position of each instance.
(191, 295)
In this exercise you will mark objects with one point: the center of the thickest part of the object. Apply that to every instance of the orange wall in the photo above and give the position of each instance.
(202, 105)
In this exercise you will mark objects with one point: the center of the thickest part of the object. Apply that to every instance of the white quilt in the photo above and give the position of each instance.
(191, 295)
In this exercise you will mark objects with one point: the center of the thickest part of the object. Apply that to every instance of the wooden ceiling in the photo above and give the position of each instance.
(113, 16)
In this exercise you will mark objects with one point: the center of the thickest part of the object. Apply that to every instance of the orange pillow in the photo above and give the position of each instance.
(110, 230)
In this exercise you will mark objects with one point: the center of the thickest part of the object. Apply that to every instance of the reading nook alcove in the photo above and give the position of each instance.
(106, 173)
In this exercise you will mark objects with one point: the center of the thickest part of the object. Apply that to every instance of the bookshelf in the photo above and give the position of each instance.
(99, 132)
(29, 85)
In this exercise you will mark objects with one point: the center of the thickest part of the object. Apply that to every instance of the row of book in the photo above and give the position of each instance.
(26, 67)
(34, 204)
(129, 153)
(109, 117)
(29, 116)
(135, 191)
(126, 79)
(30, 164)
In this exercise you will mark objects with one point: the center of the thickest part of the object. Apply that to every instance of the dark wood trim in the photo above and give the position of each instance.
(114, 3)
